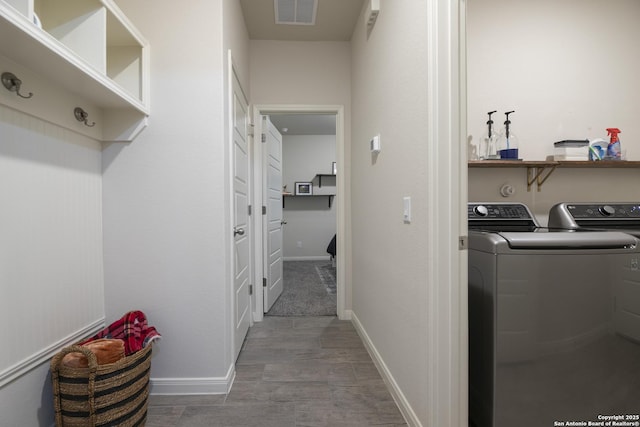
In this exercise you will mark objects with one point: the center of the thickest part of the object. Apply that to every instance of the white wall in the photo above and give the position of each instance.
(236, 38)
(51, 282)
(311, 222)
(390, 289)
(165, 197)
(569, 70)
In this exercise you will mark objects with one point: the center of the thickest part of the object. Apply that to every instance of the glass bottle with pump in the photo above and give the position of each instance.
(508, 141)
(488, 142)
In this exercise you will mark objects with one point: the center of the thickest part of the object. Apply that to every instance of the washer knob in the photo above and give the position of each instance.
(481, 210)
(607, 210)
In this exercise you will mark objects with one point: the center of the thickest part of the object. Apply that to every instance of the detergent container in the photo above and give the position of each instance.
(598, 149)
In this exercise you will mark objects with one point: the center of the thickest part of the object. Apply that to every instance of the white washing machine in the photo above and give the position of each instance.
(544, 346)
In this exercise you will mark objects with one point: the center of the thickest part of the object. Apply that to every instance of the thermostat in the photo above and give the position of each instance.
(375, 144)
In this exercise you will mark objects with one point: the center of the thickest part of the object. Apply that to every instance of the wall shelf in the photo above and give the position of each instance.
(86, 52)
(329, 196)
(325, 175)
(539, 171)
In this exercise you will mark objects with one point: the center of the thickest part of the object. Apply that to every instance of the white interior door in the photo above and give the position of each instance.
(241, 223)
(273, 194)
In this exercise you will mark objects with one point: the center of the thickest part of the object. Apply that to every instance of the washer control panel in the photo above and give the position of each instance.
(498, 211)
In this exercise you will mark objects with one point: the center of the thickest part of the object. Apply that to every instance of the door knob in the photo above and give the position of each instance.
(237, 231)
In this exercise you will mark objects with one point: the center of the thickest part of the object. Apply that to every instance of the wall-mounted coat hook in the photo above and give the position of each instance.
(83, 116)
(12, 83)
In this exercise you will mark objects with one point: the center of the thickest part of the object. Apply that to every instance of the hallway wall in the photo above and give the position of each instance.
(390, 285)
(165, 195)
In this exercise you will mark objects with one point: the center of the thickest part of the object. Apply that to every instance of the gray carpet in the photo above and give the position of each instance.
(309, 290)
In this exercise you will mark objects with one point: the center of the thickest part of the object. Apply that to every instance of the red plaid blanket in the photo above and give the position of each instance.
(132, 328)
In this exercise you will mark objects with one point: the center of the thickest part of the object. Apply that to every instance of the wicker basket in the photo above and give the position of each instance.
(115, 394)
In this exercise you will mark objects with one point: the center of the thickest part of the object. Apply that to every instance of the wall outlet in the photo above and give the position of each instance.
(299, 244)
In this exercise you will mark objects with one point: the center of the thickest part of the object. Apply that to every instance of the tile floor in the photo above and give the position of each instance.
(292, 371)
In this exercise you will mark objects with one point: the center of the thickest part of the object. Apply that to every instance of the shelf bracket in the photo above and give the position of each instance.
(536, 174)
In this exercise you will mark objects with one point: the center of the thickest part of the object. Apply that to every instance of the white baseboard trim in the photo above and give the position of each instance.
(307, 258)
(177, 386)
(345, 315)
(403, 404)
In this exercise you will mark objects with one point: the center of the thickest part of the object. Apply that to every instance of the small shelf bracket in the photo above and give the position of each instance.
(537, 175)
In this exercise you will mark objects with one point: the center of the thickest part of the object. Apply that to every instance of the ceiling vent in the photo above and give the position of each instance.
(296, 12)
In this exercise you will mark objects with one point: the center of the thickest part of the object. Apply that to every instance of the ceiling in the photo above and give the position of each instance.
(335, 21)
(304, 124)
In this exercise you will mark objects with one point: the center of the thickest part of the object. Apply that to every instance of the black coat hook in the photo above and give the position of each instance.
(83, 116)
(12, 83)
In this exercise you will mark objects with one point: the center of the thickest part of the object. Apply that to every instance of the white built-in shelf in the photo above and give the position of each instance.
(85, 54)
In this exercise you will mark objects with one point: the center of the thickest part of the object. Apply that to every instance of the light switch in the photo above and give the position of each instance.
(374, 144)
(406, 216)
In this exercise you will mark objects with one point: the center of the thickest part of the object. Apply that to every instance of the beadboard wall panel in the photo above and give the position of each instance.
(51, 267)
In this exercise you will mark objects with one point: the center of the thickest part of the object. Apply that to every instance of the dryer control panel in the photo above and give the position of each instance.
(612, 210)
(610, 215)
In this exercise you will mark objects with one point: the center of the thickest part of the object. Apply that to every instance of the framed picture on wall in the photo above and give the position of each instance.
(304, 189)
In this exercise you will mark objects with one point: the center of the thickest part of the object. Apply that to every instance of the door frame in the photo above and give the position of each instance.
(447, 299)
(340, 198)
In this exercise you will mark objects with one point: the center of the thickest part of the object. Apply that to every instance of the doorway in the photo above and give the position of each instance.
(337, 200)
(308, 223)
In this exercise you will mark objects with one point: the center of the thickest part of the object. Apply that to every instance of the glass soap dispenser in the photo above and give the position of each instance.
(489, 142)
(508, 141)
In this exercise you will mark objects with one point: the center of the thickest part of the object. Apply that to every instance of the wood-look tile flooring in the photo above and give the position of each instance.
(292, 371)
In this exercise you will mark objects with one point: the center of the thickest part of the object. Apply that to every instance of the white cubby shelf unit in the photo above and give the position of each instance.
(76, 53)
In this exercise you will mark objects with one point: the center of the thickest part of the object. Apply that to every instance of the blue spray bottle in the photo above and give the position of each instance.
(613, 149)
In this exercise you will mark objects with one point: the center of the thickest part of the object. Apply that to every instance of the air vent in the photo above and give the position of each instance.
(296, 12)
